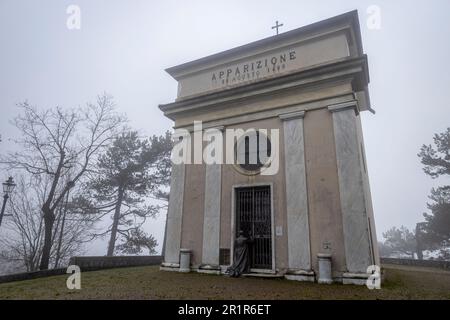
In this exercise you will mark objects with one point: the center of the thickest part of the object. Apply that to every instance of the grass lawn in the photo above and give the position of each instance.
(149, 283)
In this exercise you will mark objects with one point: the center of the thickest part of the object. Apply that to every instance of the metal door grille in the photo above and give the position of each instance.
(224, 256)
(253, 216)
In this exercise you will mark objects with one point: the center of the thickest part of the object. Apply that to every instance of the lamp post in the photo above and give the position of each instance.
(420, 226)
(8, 187)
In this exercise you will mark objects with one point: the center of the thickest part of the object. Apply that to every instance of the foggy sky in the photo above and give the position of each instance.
(123, 48)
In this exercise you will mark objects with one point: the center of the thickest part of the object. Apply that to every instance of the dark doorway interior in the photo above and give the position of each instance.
(253, 216)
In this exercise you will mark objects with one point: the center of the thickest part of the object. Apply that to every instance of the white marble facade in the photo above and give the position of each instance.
(299, 250)
(211, 224)
(324, 75)
(174, 217)
(350, 173)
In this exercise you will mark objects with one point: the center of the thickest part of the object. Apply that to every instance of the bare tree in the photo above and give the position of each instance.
(59, 143)
(23, 240)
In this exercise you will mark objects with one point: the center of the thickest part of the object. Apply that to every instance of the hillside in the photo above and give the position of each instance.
(150, 283)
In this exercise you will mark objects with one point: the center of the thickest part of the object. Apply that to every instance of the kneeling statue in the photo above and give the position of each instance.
(241, 261)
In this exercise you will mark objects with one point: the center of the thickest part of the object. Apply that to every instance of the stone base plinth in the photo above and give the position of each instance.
(355, 278)
(300, 275)
(324, 268)
(210, 269)
(167, 266)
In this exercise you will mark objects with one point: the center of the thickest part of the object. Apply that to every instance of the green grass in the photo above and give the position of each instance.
(150, 283)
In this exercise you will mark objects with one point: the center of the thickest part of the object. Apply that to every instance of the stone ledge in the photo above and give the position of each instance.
(355, 278)
(301, 275)
(441, 264)
(292, 115)
(308, 77)
(344, 106)
(168, 266)
(87, 263)
(31, 275)
(208, 271)
(325, 281)
(208, 268)
(263, 275)
(90, 263)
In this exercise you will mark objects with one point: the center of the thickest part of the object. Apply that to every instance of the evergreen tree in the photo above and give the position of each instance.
(127, 174)
(436, 161)
(400, 241)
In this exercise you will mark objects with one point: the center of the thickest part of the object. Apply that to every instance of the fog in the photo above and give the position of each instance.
(123, 48)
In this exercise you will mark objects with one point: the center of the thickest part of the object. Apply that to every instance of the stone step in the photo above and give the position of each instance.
(263, 275)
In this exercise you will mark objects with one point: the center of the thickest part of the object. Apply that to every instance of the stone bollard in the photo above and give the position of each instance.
(324, 268)
(185, 260)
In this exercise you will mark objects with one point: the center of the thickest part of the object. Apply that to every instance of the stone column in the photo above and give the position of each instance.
(299, 251)
(211, 222)
(174, 217)
(351, 189)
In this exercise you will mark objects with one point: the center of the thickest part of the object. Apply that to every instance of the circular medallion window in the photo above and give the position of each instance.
(252, 152)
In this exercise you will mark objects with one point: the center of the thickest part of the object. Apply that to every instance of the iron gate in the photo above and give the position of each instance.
(253, 217)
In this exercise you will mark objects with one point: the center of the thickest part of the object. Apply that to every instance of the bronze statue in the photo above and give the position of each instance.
(241, 261)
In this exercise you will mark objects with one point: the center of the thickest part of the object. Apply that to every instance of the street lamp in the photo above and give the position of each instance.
(420, 227)
(8, 187)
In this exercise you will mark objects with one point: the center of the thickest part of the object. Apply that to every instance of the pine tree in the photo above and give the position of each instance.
(436, 161)
(127, 175)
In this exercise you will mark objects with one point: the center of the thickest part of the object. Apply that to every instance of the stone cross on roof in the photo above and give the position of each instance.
(277, 26)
